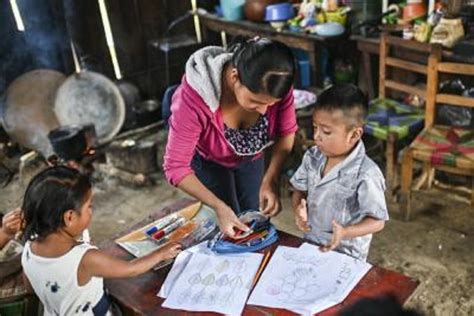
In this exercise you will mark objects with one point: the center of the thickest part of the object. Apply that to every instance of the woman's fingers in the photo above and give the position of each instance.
(270, 205)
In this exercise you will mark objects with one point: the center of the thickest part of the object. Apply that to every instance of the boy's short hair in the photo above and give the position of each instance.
(345, 97)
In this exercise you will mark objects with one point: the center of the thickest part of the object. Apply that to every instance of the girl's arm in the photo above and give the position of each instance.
(269, 199)
(96, 263)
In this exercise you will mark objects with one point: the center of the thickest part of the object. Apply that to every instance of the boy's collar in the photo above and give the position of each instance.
(351, 162)
(355, 157)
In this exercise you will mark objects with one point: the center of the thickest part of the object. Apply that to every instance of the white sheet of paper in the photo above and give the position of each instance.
(178, 266)
(306, 280)
(214, 283)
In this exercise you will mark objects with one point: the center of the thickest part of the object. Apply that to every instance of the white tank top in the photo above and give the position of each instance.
(54, 281)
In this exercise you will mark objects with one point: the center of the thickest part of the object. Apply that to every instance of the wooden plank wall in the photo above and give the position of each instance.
(134, 23)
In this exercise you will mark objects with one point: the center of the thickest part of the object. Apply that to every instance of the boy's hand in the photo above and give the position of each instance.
(170, 251)
(338, 232)
(301, 216)
(11, 222)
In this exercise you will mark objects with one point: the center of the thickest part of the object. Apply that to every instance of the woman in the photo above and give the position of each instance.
(229, 108)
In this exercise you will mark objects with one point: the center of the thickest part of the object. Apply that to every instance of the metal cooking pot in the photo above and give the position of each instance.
(28, 114)
(91, 98)
(72, 142)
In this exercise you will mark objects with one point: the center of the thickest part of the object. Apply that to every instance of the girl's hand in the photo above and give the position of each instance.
(229, 222)
(269, 200)
(170, 251)
(338, 234)
(301, 216)
(11, 222)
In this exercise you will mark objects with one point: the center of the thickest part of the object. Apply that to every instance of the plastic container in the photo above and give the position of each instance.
(233, 10)
(279, 12)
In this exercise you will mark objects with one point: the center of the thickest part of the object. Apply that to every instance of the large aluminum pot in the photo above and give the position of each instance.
(91, 98)
(28, 114)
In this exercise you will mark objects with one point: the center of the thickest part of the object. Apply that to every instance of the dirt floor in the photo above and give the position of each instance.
(436, 247)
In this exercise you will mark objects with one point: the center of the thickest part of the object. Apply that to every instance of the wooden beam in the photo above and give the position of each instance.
(407, 65)
(457, 68)
(413, 45)
(455, 100)
(405, 88)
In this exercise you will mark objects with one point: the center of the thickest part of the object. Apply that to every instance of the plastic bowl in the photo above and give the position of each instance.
(279, 12)
(329, 29)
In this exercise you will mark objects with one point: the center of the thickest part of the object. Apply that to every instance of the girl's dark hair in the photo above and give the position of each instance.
(48, 196)
(264, 66)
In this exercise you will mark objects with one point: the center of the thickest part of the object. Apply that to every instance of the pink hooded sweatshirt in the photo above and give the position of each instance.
(196, 122)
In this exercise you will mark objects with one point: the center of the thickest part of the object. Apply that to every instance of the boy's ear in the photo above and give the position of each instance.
(357, 134)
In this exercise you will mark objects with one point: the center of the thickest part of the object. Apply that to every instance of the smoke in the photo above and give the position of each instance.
(42, 34)
(39, 46)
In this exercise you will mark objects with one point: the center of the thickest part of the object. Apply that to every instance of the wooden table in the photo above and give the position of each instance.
(137, 296)
(310, 43)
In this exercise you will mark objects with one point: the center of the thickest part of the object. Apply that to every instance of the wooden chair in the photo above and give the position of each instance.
(391, 121)
(439, 147)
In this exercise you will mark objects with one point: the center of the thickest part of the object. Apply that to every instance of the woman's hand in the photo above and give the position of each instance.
(269, 199)
(11, 222)
(228, 221)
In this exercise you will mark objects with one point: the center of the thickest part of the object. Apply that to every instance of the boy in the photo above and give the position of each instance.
(343, 187)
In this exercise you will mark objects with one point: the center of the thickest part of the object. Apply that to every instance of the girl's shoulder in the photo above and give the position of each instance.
(78, 250)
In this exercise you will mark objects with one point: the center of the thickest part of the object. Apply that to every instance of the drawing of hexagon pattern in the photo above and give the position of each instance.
(296, 286)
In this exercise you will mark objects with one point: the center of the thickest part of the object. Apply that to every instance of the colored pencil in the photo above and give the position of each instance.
(252, 237)
(262, 267)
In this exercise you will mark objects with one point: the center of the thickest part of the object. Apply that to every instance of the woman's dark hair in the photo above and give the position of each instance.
(48, 196)
(264, 66)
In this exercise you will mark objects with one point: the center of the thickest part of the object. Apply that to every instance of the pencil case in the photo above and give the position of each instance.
(259, 225)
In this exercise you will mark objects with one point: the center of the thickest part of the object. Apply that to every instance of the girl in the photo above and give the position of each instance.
(67, 275)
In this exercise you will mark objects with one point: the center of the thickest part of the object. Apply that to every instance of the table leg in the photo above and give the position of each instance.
(368, 75)
(314, 59)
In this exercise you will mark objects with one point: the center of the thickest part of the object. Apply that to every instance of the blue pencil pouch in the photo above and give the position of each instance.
(259, 224)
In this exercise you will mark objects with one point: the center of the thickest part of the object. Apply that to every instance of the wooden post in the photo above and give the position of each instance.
(382, 67)
(391, 163)
(432, 85)
(405, 190)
